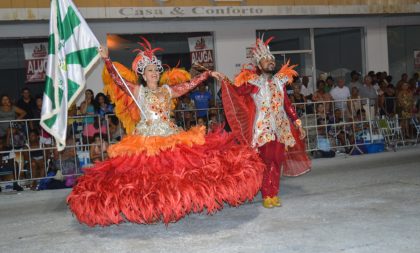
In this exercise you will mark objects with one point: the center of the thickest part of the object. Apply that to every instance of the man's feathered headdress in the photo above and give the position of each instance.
(261, 50)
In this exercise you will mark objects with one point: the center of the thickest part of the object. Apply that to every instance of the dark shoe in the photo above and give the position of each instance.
(17, 187)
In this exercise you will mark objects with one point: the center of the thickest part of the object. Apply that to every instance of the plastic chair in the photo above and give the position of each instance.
(387, 132)
(396, 129)
(416, 125)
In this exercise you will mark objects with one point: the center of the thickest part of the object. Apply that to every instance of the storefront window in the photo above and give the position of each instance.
(403, 44)
(288, 39)
(13, 68)
(338, 51)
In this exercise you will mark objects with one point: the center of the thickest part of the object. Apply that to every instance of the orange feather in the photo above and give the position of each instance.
(245, 75)
(288, 71)
(125, 108)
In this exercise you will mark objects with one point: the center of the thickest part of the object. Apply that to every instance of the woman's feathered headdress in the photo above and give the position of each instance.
(146, 56)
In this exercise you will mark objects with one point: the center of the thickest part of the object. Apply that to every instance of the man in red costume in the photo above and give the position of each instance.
(260, 113)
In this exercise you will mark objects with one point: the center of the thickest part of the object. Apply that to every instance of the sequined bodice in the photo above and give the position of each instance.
(155, 112)
(271, 121)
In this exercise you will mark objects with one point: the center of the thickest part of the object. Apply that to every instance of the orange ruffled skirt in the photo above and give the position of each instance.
(152, 179)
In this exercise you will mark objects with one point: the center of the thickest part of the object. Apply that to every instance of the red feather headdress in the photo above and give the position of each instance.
(261, 49)
(145, 56)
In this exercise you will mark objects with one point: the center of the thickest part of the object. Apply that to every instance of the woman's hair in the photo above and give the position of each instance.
(114, 120)
(91, 92)
(5, 95)
(96, 101)
(319, 82)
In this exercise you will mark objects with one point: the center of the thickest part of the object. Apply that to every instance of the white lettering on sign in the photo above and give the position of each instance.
(205, 56)
(35, 70)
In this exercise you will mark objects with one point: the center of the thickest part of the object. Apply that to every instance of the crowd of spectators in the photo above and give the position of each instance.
(372, 97)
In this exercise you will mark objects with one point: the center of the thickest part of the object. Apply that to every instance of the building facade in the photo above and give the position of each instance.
(328, 36)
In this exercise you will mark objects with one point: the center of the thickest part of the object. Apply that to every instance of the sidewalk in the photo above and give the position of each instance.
(368, 203)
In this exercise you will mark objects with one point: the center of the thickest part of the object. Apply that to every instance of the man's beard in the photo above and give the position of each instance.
(269, 70)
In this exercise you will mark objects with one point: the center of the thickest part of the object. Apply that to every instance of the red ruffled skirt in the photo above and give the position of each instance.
(145, 184)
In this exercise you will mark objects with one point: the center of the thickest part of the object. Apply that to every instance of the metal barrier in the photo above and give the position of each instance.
(348, 126)
(345, 126)
(29, 155)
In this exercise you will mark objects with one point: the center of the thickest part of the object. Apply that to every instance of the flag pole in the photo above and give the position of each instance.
(129, 91)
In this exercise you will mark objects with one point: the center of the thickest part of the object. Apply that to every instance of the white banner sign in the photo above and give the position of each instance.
(201, 49)
(36, 58)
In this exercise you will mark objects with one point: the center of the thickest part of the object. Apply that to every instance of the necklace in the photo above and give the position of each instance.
(152, 90)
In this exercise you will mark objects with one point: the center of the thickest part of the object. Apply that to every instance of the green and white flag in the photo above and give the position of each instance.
(72, 51)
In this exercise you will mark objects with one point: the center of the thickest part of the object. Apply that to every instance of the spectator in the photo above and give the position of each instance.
(404, 79)
(298, 99)
(389, 80)
(72, 120)
(67, 162)
(339, 94)
(384, 77)
(36, 157)
(90, 130)
(87, 107)
(390, 100)
(7, 163)
(405, 102)
(185, 115)
(304, 90)
(116, 132)
(320, 112)
(201, 122)
(102, 105)
(213, 123)
(26, 103)
(8, 112)
(367, 91)
(415, 83)
(321, 96)
(355, 104)
(381, 98)
(36, 113)
(373, 77)
(15, 138)
(355, 82)
(361, 125)
(289, 88)
(323, 142)
(329, 84)
(201, 100)
(98, 148)
(338, 129)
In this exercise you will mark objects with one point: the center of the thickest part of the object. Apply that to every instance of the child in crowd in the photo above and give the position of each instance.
(323, 142)
(98, 148)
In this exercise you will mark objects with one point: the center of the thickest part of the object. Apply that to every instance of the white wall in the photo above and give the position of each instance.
(376, 47)
(232, 36)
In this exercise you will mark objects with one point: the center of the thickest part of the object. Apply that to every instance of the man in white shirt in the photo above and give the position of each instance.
(305, 90)
(340, 93)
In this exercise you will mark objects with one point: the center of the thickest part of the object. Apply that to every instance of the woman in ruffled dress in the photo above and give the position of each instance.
(161, 172)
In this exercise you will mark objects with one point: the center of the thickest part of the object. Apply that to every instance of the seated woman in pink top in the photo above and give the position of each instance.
(90, 130)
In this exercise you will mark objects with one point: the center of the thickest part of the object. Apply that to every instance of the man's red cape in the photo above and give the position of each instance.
(240, 113)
